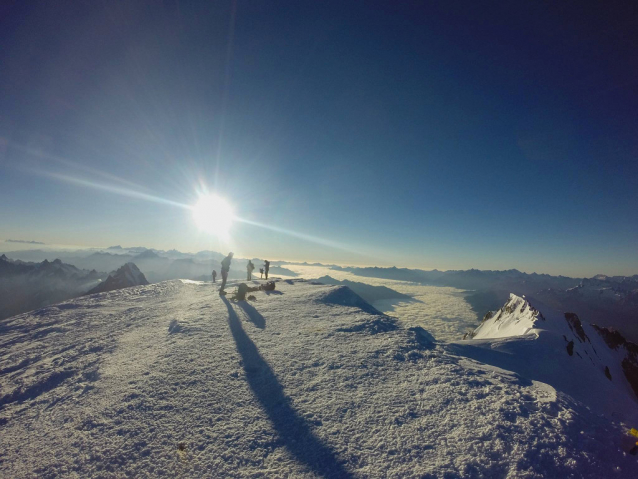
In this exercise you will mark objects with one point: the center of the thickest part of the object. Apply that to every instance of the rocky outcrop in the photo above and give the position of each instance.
(617, 342)
(576, 326)
(591, 351)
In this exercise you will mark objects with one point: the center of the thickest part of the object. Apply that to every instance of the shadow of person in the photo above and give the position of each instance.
(289, 425)
(254, 316)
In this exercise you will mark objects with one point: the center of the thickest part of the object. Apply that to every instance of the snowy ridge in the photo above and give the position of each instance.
(587, 362)
(173, 380)
(344, 296)
(516, 318)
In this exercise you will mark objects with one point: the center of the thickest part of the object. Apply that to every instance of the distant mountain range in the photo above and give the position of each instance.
(157, 265)
(25, 286)
(606, 300)
(36, 278)
(468, 279)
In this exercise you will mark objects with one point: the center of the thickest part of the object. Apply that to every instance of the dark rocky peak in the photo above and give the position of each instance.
(125, 277)
(629, 364)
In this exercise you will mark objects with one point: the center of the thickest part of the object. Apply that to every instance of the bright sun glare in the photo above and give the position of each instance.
(213, 215)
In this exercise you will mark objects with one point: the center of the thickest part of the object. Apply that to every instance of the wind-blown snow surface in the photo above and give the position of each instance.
(440, 309)
(172, 380)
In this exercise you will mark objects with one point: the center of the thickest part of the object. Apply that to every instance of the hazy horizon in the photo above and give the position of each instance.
(26, 245)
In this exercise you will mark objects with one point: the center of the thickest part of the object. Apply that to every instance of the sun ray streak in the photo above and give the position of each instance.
(131, 193)
(111, 189)
(72, 164)
(312, 239)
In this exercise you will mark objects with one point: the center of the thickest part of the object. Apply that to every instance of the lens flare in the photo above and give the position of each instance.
(214, 215)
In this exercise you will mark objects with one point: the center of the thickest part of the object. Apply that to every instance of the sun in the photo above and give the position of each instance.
(213, 215)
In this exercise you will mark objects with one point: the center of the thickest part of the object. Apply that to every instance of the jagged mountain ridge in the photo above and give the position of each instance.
(125, 277)
(157, 265)
(602, 364)
(25, 286)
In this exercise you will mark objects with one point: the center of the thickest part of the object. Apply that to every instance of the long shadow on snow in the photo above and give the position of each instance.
(254, 316)
(292, 428)
(273, 292)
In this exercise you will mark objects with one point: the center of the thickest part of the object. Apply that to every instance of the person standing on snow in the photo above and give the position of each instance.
(225, 269)
(261, 272)
(249, 268)
(266, 267)
(214, 275)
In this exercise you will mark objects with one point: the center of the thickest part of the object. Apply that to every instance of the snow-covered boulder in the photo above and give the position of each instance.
(125, 277)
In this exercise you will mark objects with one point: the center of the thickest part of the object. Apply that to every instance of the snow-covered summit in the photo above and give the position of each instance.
(173, 380)
(125, 277)
(595, 365)
(517, 317)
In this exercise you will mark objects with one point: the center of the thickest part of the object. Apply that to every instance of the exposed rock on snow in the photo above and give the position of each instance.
(595, 365)
(302, 384)
(125, 277)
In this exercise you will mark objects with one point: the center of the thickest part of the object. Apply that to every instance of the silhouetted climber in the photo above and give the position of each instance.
(266, 267)
(225, 270)
(249, 268)
(261, 272)
(214, 275)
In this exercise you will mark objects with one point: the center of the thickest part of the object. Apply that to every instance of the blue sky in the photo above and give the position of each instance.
(442, 135)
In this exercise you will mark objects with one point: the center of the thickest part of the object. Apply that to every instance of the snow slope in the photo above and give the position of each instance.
(531, 339)
(172, 380)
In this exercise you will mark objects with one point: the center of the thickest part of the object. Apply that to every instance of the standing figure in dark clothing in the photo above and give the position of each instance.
(214, 275)
(266, 267)
(249, 269)
(261, 272)
(225, 270)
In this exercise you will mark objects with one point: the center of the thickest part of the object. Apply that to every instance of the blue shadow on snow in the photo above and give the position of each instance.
(289, 425)
(254, 316)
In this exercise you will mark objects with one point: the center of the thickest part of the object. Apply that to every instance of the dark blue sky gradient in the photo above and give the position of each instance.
(443, 134)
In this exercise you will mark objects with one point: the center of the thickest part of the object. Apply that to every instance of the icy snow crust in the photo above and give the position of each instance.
(172, 380)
